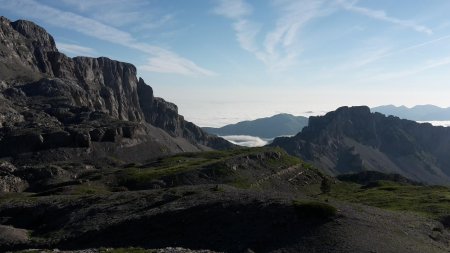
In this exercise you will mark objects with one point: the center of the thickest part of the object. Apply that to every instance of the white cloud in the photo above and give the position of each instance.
(172, 63)
(233, 9)
(364, 57)
(246, 32)
(246, 140)
(75, 49)
(437, 123)
(381, 15)
(295, 14)
(122, 13)
(369, 55)
(280, 49)
(96, 29)
(432, 64)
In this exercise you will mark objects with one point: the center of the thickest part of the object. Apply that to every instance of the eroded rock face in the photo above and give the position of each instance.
(110, 86)
(8, 181)
(49, 100)
(352, 139)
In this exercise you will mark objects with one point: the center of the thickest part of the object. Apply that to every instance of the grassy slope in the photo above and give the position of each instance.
(431, 201)
(218, 161)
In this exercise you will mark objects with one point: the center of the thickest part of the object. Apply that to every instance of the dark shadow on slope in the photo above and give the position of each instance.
(228, 227)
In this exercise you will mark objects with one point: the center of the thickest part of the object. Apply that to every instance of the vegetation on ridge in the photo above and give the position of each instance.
(213, 164)
(431, 201)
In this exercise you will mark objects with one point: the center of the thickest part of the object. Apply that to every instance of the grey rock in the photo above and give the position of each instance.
(352, 139)
(11, 235)
(51, 101)
(10, 183)
(7, 167)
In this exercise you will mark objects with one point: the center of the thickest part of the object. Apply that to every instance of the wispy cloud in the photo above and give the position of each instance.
(168, 62)
(99, 30)
(416, 46)
(432, 64)
(382, 15)
(233, 9)
(75, 49)
(372, 55)
(279, 49)
(141, 14)
(364, 57)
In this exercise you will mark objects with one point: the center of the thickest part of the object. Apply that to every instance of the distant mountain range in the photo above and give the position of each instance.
(352, 139)
(417, 113)
(270, 127)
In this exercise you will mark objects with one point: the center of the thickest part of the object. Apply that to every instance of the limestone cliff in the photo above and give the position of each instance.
(352, 139)
(49, 100)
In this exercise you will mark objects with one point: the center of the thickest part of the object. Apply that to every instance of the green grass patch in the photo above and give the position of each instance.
(314, 209)
(217, 161)
(88, 189)
(16, 196)
(241, 182)
(431, 201)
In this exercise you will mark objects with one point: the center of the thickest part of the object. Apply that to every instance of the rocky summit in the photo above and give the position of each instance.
(82, 106)
(352, 139)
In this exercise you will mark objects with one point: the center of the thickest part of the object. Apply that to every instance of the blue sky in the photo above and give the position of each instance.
(222, 61)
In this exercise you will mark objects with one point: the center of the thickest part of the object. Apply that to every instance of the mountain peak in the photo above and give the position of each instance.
(38, 35)
(352, 139)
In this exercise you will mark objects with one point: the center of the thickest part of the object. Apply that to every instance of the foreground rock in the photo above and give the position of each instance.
(137, 250)
(219, 219)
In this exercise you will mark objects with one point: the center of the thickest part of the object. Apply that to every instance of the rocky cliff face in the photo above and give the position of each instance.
(49, 100)
(354, 139)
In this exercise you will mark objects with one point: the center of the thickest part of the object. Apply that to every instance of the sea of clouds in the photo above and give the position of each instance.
(247, 140)
(254, 141)
(437, 123)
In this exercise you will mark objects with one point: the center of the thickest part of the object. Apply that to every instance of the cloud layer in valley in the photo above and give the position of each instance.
(246, 140)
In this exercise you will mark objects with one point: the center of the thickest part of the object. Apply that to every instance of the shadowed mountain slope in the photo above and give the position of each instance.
(352, 139)
(50, 101)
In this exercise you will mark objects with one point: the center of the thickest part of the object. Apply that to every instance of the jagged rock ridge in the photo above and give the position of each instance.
(49, 100)
(352, 139)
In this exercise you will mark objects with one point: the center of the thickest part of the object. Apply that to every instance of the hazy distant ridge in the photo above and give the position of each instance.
(270, 127)
(417, 113)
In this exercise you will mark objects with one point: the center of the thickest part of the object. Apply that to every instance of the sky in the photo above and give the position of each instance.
(223, 61)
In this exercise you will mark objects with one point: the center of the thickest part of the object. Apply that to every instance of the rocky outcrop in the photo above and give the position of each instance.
(352, 139)
(49, 100)
(8, 181)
